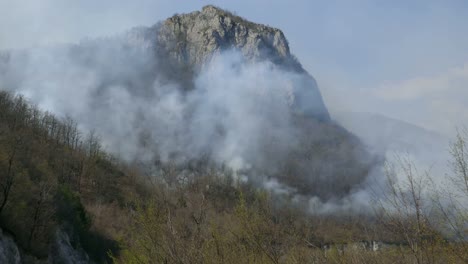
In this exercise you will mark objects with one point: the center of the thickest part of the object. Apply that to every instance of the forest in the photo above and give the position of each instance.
(56, 180)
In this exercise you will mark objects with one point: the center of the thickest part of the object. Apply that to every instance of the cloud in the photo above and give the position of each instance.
(453, 80)
(437, 102)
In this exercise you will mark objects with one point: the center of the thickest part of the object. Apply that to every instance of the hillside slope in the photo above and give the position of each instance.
(391, 137)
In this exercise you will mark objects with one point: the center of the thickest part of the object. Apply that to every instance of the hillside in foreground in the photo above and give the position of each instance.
(65, 200)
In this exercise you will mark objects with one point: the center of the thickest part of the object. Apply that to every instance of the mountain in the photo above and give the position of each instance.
(207, 85)
(198, 139)
(323, 152)
(188, 42)
(393, 137)
(384, 133)
(193, 38)
(184, 43)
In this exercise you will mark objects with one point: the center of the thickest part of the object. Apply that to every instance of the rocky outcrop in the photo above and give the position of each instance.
(9, 252)
(187, 42)
(66, 251)
(194, 37)
(61, 251)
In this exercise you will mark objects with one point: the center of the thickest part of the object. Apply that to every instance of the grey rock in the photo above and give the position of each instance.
(187, 42)
(193, 38)
(9, 252)
(63, 252)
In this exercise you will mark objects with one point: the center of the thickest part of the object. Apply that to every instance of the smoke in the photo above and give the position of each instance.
(234, 112)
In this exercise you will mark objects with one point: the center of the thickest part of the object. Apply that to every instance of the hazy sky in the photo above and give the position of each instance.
(404, 59)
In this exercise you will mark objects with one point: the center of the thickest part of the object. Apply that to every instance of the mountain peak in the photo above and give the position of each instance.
(186, 42)
(212, 9)
(193, 38)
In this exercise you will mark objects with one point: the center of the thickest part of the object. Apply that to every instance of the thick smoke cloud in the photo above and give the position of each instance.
(236, 113)
(233, 107)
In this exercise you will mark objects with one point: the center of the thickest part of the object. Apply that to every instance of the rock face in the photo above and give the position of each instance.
(63, 252)
(9, 252)
(186, 42)
(194, 37)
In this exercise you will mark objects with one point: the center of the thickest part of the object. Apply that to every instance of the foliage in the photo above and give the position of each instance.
(46, 170)
(51, 177)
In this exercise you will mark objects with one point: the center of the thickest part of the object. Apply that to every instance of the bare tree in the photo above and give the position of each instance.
(405, 210)
(41, 211)
(459, 152)
(452, 200)
(13, 141)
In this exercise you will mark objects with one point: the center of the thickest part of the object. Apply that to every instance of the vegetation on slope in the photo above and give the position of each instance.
(48, 172)
(52, 177)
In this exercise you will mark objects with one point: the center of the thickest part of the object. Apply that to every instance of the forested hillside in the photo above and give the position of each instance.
(64, 199)
(49, 170)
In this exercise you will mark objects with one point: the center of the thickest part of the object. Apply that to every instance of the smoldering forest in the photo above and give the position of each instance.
(230, 111)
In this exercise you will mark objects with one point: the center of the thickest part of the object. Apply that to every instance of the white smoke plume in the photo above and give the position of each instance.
(238, 113)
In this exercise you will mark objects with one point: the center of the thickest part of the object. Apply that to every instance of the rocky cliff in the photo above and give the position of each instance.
(193, 38)
(187, 42)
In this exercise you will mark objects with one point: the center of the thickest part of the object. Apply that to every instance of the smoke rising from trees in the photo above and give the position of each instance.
(238, 113)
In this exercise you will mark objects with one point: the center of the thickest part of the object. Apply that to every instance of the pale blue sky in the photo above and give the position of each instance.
(374, 56)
